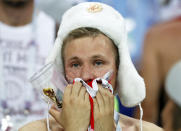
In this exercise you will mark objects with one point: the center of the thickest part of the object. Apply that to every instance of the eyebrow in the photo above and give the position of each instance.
(74, 58)
(93, 57)
(97, 56)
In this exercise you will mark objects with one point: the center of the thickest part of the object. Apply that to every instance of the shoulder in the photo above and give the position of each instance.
(131, 124)
(41, 125)
(147, 126)
(162, 30)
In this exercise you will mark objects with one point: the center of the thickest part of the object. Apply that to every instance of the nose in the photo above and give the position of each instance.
(87, 73)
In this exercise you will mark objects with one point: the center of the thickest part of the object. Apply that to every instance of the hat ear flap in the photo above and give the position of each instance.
(131, 85)
(55, 51)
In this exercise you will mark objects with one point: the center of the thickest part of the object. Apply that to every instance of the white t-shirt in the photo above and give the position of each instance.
(22, 52)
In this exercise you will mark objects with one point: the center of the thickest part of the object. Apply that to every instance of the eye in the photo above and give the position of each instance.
(75, 65)
(98, 63)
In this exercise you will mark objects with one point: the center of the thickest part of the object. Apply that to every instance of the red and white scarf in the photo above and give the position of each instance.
(92, 88)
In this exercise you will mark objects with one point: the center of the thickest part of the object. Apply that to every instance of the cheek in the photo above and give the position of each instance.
(99, 72)
(71, 74)
(114, 76)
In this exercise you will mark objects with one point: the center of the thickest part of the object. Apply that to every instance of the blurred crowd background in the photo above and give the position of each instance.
(27, 32)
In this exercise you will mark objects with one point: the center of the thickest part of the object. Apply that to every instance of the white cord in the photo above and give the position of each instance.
(48, 123)
(141, 116)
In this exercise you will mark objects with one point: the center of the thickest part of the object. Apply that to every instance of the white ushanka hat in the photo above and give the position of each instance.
(131, 87)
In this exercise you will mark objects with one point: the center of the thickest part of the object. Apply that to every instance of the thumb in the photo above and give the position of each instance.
(56, 114)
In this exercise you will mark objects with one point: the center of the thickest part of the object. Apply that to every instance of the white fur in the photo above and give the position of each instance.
(131, 87)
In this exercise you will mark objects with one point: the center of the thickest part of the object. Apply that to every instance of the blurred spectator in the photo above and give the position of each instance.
(26, 35)
(171, 114)
(59, 6)
(162, 47)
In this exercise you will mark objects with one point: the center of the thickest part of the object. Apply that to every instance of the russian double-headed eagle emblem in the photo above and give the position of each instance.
(94, 8)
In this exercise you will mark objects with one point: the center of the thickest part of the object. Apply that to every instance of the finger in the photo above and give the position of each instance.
(76, 88)
(108, 98)
(68, 90)
(112, 102)
(96, 106)
(82, 92)
(86, 98)
(100, 101)
(53, 107)
(56, 115)
(106, 94)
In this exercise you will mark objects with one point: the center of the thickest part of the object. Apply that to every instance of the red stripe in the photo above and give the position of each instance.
(92, 108)
(92, 113)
